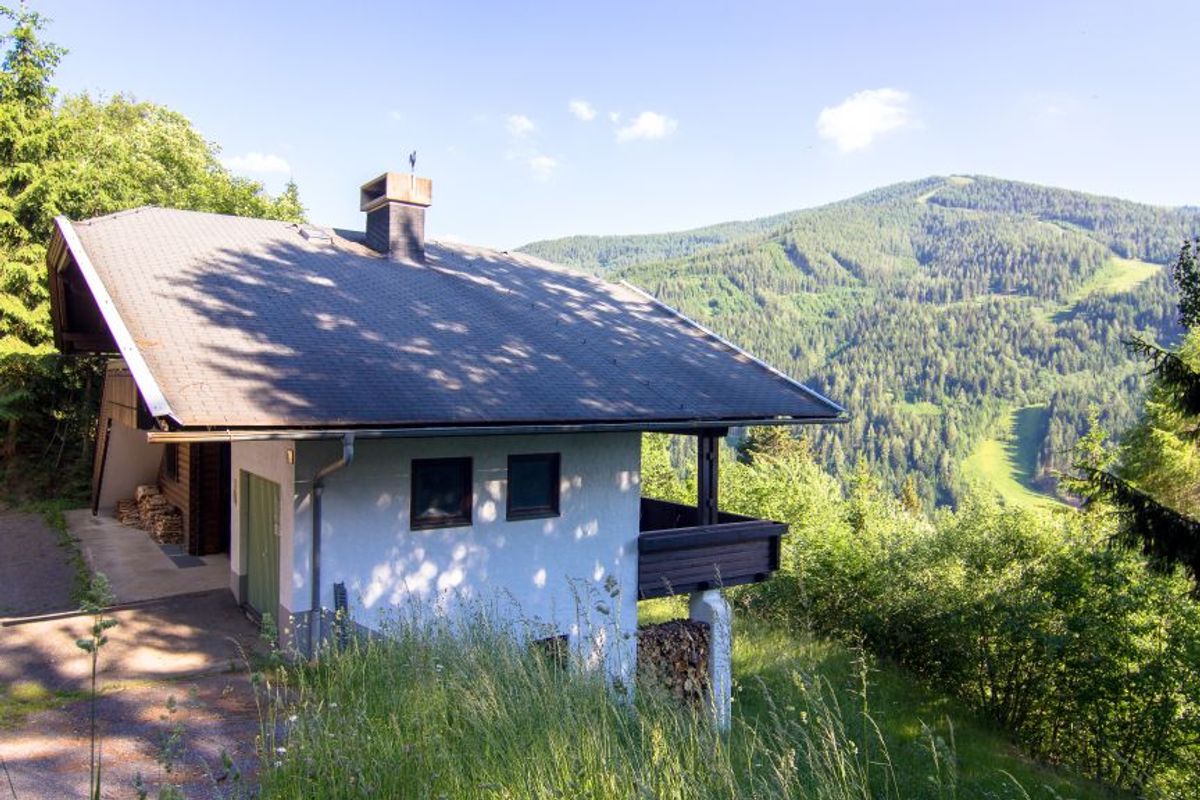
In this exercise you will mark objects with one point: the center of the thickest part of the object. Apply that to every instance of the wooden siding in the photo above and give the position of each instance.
(119, 402)
(177, 490)
(677, 556)
(200, 492)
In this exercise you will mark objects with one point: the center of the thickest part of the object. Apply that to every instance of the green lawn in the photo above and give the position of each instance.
(1116, 276)
(1004, 463)
(990, 765)
(22, 698)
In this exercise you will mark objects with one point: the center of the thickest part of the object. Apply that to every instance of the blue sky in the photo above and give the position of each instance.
(684, 113)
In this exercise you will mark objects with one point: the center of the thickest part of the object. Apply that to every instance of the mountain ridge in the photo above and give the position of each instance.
(571, 250)
(937, 310)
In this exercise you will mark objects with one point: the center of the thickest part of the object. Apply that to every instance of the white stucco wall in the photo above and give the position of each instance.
(267, 460)
(130, 462)
(553, 572)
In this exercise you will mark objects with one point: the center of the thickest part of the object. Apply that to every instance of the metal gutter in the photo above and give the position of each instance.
(309, 434)
(318, 488)
(151, 393)
(679, 314)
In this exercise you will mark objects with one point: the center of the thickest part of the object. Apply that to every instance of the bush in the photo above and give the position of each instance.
(1080, 649)
(1088, 656)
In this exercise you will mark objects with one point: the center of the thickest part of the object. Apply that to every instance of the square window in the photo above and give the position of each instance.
(533, 485)
(441, 492)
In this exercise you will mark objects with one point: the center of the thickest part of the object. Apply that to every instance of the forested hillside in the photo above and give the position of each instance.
(968, 323)
(601, 253)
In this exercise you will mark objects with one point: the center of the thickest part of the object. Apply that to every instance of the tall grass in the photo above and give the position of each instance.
(427, 711)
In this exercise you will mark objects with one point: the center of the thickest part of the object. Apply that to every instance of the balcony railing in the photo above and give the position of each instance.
(678, 556)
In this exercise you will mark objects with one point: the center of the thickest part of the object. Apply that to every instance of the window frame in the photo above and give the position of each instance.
(537, 512)
(464, 518)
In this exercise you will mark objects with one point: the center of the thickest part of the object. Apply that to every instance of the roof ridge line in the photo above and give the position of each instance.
(125, 212)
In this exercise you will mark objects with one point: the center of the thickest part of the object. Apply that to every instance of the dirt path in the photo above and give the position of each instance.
(190, 648)
(35, 573)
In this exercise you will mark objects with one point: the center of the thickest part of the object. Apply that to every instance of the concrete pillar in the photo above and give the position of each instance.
(710, 607)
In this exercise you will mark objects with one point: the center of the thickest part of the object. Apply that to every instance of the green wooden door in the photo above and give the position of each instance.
(260, 538)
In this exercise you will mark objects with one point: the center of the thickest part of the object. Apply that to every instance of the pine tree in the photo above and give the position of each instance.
(773, 441)
(1160, 464)
(910, 498)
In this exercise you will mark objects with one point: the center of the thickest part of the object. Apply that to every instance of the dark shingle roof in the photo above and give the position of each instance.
(246, 323)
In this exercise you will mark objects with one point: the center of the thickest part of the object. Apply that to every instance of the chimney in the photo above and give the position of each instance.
(395, 204)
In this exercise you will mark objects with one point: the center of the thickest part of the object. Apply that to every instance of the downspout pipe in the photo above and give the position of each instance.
(318, 487)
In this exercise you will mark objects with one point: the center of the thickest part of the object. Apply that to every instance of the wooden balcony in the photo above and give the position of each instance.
(677, 555)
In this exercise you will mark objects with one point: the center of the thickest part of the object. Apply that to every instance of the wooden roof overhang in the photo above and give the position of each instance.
(84, 317)
(79, 326)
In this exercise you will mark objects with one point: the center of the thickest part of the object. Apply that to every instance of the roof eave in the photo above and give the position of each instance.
(155, 401)
(426, 432)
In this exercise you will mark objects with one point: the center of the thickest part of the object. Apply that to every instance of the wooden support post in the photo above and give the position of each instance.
(707, 472)
(98, 482)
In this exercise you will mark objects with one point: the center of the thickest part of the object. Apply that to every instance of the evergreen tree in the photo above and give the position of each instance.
(79, 158)
(773, 441)
(910, 498)
(1156, 485)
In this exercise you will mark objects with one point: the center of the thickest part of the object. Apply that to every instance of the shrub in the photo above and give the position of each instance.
(1084, 652)
(1080, 649)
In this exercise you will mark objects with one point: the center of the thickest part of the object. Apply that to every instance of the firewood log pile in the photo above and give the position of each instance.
(128, 514)
(674, 655)
(150, 511)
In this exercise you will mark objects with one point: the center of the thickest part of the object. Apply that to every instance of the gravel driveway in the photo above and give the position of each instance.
(35, 573)
(191, 648)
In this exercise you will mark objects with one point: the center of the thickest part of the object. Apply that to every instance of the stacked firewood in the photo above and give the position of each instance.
(168, 527)
(128, 514)
(150, 511)
(674, 655)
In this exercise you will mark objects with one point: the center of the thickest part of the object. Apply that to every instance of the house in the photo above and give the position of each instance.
(380, 421)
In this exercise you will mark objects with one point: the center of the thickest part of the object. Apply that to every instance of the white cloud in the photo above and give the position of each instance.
(582, 109)
(396, 116)
(262, 163)
(614, 117)
(519, 125)
(864, 116)
(543, 166)
(647, 125)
